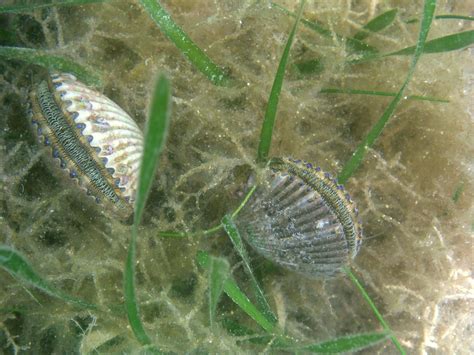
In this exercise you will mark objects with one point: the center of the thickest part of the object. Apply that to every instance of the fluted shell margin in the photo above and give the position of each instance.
(94, 141)
(302, 219)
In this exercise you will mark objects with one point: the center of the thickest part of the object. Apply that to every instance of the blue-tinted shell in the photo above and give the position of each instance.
(301, 219)
(93, 140)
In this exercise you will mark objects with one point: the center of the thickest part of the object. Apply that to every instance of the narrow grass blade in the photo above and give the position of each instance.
(344, 344)
(374, 309)
(210, 231)
(359, 154)
(173, 234)
(51, 62)
(378, 93)
(181, 40)
(155, 136)
(19, 267)
(236, 295)
(352, 44)
(244, 201)
(442, 44)
(454, 17)
(251, 336)
(43, 4)
(438, 45)
(154, 140)
(458, 192)
(178, 234)
(446, 17)
(377, 24)
(234, 235)
(131, 303)
(219, 272)
(270, 114)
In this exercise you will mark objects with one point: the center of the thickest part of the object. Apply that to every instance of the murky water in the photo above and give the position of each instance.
(417, 256)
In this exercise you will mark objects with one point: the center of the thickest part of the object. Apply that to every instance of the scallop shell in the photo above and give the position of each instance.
(301, 219)
(94, 141)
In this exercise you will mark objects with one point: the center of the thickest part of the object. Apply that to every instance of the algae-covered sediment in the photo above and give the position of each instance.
(413, 190)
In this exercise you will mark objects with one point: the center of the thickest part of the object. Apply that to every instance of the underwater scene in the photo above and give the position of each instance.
(236, 177)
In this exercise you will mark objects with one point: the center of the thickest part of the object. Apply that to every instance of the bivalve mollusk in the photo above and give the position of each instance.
(93, 140)
(302, 219)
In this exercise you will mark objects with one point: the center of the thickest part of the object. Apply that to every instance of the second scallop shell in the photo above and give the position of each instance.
(94, 141)
(301, 219)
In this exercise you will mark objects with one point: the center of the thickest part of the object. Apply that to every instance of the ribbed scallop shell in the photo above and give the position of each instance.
(94, 140)
(301, 219)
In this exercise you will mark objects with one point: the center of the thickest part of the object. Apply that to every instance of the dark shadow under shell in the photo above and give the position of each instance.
(301, 219)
